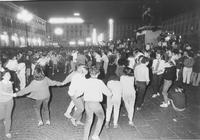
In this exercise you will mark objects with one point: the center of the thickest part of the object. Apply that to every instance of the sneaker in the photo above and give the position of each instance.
(107, 124)
(73, 122)
(48, 122)
(79, 123)
(154, 95)
(8, 135)
(40, 123)
(158, 94)
(67, 115)
(95, 138)
(164, 104)
(115, 126)
(131, 123)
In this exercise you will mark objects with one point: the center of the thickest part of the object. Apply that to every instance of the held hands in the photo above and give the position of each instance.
(14, 95)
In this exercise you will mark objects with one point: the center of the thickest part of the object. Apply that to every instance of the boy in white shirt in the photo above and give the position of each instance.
(94, 89)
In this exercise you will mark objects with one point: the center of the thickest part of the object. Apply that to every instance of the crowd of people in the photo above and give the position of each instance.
(119, 71)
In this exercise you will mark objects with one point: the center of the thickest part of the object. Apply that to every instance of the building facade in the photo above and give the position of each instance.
(17, 33)
(187, 25)
(74, 34)
(125, 28)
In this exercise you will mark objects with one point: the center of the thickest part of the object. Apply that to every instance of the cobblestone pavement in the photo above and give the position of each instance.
(152, 122)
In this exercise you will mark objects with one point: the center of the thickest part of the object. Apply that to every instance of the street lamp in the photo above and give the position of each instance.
(111, 29)
(26, 17)
(94, 36)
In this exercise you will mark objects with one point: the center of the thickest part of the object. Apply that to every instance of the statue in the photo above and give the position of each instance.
(147, 17)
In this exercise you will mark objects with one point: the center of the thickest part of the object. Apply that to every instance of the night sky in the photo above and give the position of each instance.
(99, 11)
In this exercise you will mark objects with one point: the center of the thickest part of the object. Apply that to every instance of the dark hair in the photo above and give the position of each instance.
(144, 60)
(38, 73)
(128, 71)
(94, 71)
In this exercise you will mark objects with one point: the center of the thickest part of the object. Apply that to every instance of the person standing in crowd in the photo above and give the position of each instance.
(98, 59)
(169, 76)
(105, 61)
(76, 78)
(21, 73)
(114, 102)
(28, 65)
(195, 77)
(131, 60)
(54, 60)
(6, 101)
(128, 93)
(81, 58)
(39, 91)
(141, 74)
(93, 90)
(187, 69)
(157, 70)
(12, 65)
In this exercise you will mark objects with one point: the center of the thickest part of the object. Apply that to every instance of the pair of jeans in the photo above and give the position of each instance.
(79, 104)
(42, 103)
(113, 104)
(156, 83)
(141, 90)
(92, 108)
(6, 113)
(167, 84)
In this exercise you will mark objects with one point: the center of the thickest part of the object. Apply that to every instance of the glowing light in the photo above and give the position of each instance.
(111, 29)
(24, 15)
(72, 43)
(94, 36)
(81, 42)
(34, 41)
(88, 39)
(66, 20)
(76, 14)
(100, 37)
(58, 31)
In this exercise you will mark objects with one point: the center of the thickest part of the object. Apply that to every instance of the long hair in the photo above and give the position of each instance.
(38, 73)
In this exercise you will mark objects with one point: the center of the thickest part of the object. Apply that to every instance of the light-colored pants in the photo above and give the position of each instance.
(105, 67)
(70, 107)
(6, 113)
(79, 104)
(129, 102)
(110, 105)
(195, 78)
(187, 74)
(45, 104)
(92, 108)
(167, 84)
